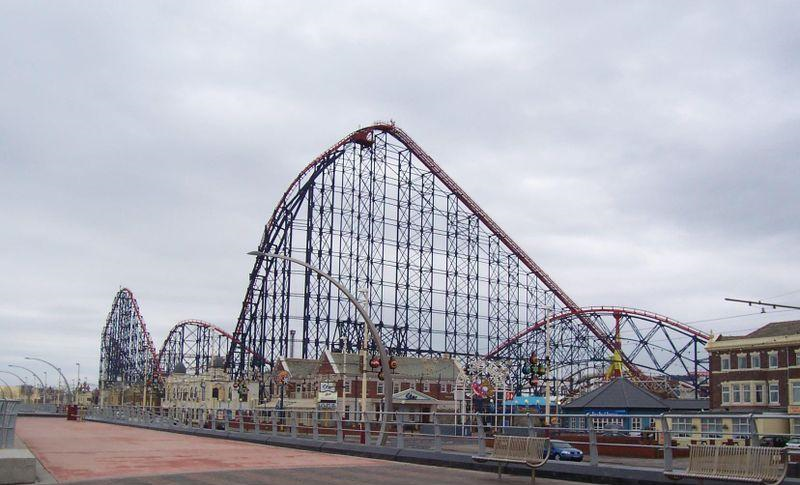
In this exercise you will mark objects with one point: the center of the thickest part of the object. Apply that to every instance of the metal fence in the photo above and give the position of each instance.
(645, 440)
(8, 418)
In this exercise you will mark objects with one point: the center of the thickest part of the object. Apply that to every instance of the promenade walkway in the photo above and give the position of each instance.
(105, 453)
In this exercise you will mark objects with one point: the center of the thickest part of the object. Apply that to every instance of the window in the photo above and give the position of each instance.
(682, 427)
(797, 357)
(347, 413)
(795, 392)
(796, 427)
(426, 387)
(347, 386)
(636, 424)
(746, 393)
(741, 361)
(602, 423)
(755, 360)
(726, 393)
(380, 387)
(711, 427)
(741, 428)
(759, 393)
(215, 393)
(773, 360)
(725, 362)
(737, 393)
(395, 387)
(774, 393)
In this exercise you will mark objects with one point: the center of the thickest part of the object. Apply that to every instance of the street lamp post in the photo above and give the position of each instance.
(10, 391)
(58, 369)
(34, 375)
(373, 330)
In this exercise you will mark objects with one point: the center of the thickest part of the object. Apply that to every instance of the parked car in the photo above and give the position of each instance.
(561, 450)
(778, 441)
(793, 443)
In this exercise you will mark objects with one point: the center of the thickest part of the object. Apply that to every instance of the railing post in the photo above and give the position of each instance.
(666, 435)
(293, 416)
(481, 434)
(531, 431)
(339, 431)
(437, 433)
(754, 441)
(398, 424)
(314, 424)
(593, 458)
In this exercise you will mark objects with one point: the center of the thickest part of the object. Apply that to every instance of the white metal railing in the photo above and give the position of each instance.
(662, 436)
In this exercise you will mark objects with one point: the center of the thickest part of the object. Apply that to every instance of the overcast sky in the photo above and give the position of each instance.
(644, 154)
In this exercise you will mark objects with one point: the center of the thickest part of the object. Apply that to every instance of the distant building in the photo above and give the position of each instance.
(626, 407)
(334, 382)
(213, 389)
(758, 372)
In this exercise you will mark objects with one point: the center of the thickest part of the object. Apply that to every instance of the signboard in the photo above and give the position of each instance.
(327, 392)
(794, 410)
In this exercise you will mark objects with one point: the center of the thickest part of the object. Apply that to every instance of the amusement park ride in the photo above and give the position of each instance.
(442, 278)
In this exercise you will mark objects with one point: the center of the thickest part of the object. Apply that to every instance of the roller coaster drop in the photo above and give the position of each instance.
(440, 277)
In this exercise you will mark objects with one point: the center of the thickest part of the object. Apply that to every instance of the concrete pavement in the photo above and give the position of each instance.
(96, 453)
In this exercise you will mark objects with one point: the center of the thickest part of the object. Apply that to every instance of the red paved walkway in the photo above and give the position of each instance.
(72, 450)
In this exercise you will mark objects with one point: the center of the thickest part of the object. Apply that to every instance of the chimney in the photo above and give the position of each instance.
(291, 344)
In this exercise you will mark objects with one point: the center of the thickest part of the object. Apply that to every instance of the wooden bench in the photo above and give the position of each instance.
(757, 464)
(530, 451)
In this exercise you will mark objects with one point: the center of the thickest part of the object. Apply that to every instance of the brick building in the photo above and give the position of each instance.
(334, 382)
(758, 372)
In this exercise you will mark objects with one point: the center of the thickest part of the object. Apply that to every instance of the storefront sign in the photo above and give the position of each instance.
(327, 392)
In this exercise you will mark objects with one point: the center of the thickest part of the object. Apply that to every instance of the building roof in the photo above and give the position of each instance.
(771, 334)
(617, 394)
(776, 329)
(300, 368)
(431, 368)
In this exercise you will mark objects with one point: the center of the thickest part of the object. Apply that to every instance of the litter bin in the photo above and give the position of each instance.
(8, 419)
(72, 412)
